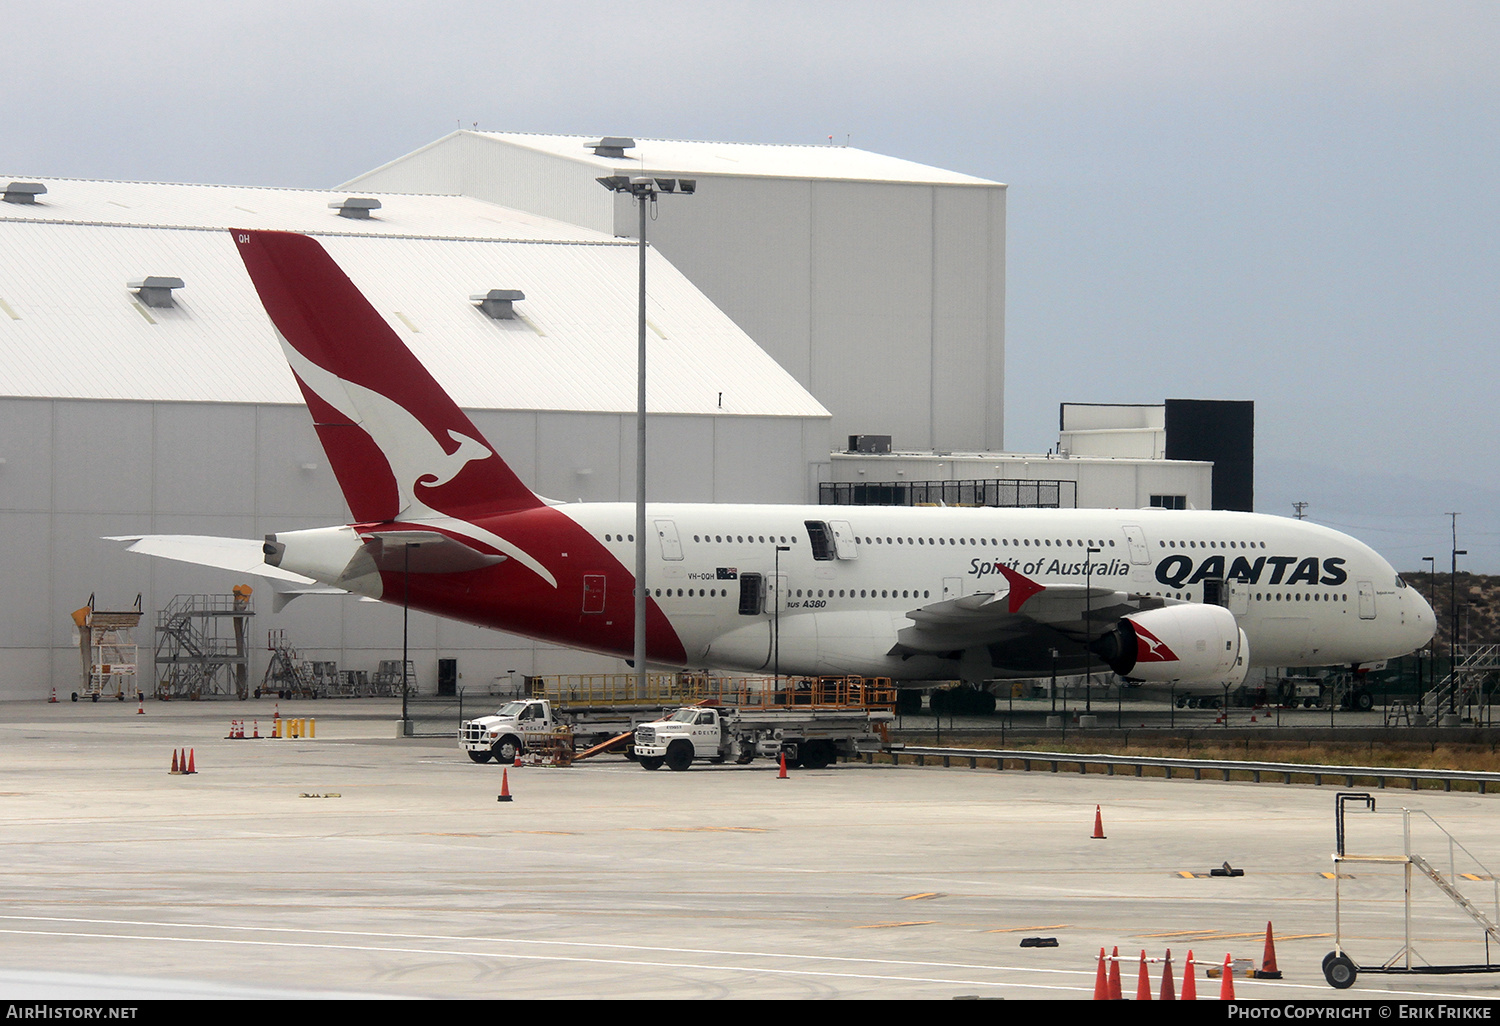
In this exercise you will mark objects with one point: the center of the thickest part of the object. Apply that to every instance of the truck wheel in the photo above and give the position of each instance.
(1364, 701)
(480, 756)
(650, 762)
(506, 749)
(817, 755)
(679, 755)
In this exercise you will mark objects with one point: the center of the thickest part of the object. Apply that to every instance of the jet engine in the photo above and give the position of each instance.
(1199, 644)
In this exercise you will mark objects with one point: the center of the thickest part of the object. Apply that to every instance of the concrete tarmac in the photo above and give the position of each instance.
(355, 864)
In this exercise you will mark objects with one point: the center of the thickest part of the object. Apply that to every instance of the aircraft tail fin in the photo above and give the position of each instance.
(398, 444)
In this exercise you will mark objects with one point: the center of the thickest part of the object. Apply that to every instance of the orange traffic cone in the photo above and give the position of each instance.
(782, 774)
(175, 767)
(1168, 992)
(189, 767)
(53, 699)
(257, 729)
(1143, 985)
(1189, 984)
(1101, 980)
(1226, 988)
(1268, 970)
(1098, 825)
(1114, 975)
(504, 786)
(140, 711)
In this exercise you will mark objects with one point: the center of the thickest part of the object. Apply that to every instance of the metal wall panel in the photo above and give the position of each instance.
(965, 341)
(872, 309)
(26, 447)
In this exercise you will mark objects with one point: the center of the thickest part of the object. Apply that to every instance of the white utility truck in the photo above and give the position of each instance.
(507, 733)
(807, 737)
(811, 721)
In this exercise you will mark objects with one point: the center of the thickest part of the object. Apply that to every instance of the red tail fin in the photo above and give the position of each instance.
(397, 443)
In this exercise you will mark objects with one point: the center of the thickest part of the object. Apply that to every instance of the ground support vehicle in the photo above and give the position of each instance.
(809, 723)
(552, 734)
(1341, 970)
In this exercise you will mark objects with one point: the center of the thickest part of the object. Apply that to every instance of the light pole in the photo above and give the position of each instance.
(1431, 562)
(776, 608)
(1088, 626)
(1453, 620)
(645, 190)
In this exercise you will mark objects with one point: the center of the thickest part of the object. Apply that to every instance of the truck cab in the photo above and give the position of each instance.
(693, 732)
(502, 736)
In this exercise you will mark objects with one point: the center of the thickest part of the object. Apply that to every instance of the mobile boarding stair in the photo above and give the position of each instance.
(1461, 687)
(1340, 970)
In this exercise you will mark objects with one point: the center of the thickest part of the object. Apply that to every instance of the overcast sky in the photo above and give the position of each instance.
(1296, 203)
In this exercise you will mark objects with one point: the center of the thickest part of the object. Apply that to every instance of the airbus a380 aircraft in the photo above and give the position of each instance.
(441, 522)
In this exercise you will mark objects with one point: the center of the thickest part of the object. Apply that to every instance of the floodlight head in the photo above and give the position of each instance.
(687, 185)
(615, 183)
(667, 184)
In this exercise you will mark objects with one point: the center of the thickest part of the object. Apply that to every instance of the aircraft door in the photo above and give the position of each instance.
(671, 544)
(1140, 553)
(1366, 600)
(844, 545)
(1135, 538)
(593, 593)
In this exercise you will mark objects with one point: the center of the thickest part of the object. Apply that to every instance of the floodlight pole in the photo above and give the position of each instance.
(640, 460)
(1088, 626)
(1453, 620)
(645, 190)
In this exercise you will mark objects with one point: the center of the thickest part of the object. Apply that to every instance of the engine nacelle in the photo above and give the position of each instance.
(1197, 644)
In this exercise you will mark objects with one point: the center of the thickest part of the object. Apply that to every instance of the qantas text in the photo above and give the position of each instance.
(1180, 570)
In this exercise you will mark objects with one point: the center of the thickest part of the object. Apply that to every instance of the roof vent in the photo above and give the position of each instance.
(496, 303)
(23, 192)
(356, 206)
(612, 146)
(155, 290)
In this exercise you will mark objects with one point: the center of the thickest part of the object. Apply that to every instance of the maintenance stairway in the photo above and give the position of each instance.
(1461, 685)
(201, 646)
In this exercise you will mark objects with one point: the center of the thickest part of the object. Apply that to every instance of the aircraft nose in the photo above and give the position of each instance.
(1423, 621)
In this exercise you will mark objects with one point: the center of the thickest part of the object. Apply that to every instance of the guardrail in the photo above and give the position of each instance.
(1255, 771)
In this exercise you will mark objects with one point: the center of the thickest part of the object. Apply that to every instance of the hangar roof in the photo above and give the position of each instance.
(72, 327)
(833, 163)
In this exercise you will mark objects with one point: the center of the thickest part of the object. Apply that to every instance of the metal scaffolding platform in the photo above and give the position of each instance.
(201, 646)
(106, 641)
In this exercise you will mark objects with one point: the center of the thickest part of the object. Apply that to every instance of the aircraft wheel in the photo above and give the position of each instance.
(650, 762)
(679, 755)
(1364, 701)
(479, 756)
(1340, 971)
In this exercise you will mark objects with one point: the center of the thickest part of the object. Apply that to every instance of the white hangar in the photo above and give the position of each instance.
(878, 283)
(142, 390)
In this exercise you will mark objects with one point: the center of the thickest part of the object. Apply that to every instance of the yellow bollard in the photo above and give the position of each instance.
(312, 728)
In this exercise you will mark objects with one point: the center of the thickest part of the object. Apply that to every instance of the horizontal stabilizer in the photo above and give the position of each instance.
(238, 555)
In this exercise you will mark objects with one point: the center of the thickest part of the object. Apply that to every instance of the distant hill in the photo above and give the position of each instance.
(1478, 597)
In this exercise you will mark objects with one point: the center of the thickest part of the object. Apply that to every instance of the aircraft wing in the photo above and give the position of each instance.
(240, 555)
(1023, 610)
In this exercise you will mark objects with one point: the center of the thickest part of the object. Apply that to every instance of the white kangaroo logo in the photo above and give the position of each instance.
(414, 455)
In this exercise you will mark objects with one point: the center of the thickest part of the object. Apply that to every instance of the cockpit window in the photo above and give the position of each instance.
(1399, 582)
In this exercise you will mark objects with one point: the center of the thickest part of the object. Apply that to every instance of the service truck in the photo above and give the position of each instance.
(807, 737)
(505, 734)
